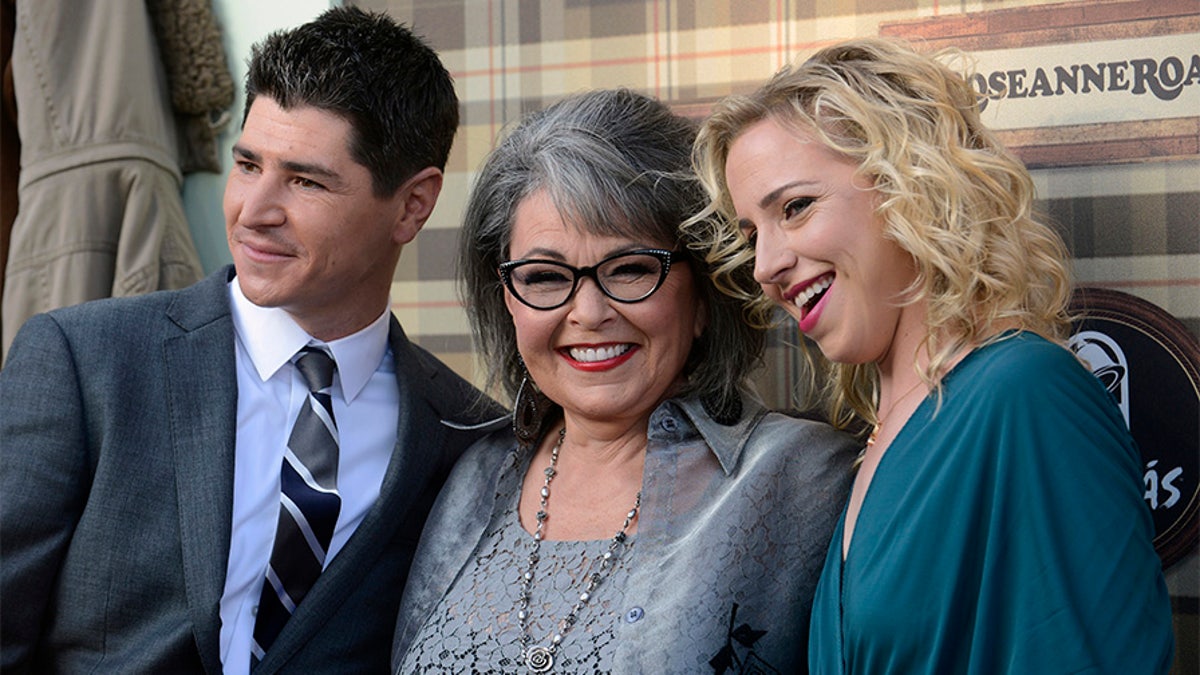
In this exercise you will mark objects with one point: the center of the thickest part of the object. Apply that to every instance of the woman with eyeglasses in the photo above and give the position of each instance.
(644, 513)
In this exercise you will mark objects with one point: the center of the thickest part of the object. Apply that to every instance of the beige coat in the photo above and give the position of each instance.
(101, 212)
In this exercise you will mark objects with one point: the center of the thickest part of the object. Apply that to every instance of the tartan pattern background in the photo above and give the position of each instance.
(1131, 219)
(1135, 227)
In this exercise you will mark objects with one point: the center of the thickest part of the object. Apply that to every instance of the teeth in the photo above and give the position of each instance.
(590, 354)
(811, 292)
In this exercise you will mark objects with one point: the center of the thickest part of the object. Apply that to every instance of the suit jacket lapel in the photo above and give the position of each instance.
(201, 390)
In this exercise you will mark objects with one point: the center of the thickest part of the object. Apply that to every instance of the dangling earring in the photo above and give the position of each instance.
(527, 413)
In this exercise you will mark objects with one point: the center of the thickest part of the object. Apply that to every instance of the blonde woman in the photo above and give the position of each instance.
(996, 522)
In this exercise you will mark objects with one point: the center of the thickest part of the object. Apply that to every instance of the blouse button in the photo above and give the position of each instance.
(669, 424)
(634, 615)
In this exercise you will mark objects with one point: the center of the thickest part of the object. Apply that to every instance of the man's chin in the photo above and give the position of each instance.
(259, 289)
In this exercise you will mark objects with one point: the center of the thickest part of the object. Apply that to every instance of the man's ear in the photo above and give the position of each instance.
(418, 195)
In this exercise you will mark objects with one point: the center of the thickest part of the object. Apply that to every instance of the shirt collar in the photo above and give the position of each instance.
(726, 442)
(272, 337)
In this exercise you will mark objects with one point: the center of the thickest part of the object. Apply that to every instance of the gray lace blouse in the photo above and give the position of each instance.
(732, 532)
(475, 627)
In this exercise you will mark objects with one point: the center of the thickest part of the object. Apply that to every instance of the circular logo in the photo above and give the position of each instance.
(1150, 363)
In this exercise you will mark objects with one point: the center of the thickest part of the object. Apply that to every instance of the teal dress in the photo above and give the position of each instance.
(1004, 534)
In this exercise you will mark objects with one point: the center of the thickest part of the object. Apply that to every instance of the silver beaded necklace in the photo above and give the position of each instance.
(540, 659)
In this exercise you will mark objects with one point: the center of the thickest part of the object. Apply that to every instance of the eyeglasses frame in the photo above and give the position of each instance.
(664, 256)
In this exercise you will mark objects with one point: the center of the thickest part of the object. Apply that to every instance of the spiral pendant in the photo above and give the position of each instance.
(539, 660)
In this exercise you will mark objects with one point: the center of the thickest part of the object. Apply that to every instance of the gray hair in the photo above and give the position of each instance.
(614, 163)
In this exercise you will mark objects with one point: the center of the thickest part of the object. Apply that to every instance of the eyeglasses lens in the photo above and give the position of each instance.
(628, 278)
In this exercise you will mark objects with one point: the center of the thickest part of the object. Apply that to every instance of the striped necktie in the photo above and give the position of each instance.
(309, 504)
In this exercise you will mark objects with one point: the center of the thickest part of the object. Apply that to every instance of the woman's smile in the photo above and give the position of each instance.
(598, 357)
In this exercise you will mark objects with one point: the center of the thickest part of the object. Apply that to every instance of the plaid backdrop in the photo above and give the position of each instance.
(1131, 226)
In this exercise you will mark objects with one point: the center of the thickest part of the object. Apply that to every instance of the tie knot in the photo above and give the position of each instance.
(316, 367)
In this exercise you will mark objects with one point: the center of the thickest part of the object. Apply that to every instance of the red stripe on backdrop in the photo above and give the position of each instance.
(657, 58)
(601, 63)
(1143, 283)
(491, 71)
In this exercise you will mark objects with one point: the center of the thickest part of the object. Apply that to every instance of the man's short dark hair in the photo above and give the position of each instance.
(373, 72)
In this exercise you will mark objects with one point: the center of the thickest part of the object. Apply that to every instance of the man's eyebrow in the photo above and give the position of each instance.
(316, 170)
(247, 153)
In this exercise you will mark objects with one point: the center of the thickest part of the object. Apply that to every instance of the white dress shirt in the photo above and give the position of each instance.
(270, 393)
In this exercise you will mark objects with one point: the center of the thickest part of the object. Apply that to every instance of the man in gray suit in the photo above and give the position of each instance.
(148, 445)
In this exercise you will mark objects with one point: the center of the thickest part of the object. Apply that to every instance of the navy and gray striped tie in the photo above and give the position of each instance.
(309, 504)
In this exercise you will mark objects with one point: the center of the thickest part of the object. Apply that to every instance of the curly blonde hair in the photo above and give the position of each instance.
(948, 192)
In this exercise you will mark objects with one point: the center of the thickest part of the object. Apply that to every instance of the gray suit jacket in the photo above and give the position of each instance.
(117, 429)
